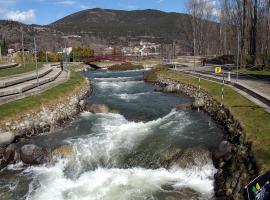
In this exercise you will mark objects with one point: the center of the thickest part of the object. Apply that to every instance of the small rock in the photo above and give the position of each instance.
(170, 89)
(97, 108)
(184, 106)
(6, 138)
(82, 104)
(198, 103)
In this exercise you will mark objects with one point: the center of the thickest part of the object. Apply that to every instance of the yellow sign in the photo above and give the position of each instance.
(218, 70)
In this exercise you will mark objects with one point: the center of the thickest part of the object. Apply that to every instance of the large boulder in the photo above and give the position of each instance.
(194, 157)
(97, 108)
(6, 138)
(224, 150)
(34, 155)
(11, 154)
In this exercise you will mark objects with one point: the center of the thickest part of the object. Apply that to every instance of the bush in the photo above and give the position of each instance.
(29, 57)
(151, 75)
(222, 60)
(125, 66)
(54, 57)
(79, 54)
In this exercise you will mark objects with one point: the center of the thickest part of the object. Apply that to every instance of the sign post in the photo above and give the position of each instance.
(219, 70)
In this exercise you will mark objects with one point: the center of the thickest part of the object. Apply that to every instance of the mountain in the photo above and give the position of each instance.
(99, 28)
(46, 37)
(119, 25)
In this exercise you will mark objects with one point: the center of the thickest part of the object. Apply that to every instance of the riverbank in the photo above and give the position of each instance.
(43, 112)
(247, 126)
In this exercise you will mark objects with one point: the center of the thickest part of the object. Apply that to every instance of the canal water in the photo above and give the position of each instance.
(116, 154)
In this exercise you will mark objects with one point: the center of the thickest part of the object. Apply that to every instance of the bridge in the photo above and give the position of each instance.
(98, 58)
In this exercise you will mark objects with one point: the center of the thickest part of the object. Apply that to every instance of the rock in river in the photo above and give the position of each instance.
(63, 151)
(184, 158)
(97, 108)
(6, 138)
(194, 157)
(34, 155)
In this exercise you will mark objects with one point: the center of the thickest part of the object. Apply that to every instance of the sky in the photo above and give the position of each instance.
(47, 11)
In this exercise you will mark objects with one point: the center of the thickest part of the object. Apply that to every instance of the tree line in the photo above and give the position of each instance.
(242, 28)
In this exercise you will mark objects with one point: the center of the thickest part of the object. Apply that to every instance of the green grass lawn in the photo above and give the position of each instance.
(19, 70)
(257, 73)
(255, 120)
(33, 103)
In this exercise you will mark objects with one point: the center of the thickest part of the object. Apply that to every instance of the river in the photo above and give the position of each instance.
(115, 154)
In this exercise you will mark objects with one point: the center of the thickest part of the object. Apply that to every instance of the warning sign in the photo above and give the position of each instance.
(218, 70)
(259, 189)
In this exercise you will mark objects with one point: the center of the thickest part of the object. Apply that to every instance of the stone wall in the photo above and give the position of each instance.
(47, 119)
(233, 158)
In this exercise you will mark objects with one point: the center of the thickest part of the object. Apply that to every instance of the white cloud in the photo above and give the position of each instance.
(21, 16)
(66, 2)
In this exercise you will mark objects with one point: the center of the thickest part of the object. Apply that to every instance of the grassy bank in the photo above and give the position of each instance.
(30, 104)
(256, 73)
(255, 120)
(19, 70)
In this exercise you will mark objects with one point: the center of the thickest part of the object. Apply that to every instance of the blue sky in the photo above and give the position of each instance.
(47, 11)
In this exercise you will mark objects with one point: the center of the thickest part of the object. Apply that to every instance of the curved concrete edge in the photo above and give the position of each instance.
(29, 86)
(29, 77)
(8, 65)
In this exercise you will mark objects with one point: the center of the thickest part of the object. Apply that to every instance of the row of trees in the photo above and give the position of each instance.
(3, 46)
(78, 54)
(243, 23)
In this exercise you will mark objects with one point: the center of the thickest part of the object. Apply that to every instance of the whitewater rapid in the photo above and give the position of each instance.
(94, 172)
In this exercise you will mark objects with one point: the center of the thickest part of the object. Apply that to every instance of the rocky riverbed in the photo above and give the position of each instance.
(49, 118)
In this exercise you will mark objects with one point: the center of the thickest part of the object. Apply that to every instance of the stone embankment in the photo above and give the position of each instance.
(47, 119)
(233, 158)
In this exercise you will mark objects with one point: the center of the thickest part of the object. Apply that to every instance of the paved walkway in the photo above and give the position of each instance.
(48, 81)
(256, 90)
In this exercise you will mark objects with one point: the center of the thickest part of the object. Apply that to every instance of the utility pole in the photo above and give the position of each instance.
(238, 55)
(0, 53)
(35, 46)
(194, 35)
(46, 56)
(23, 57)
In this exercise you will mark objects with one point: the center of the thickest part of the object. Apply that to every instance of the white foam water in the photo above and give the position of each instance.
(128, 97)
(119, 184)
(116, 86)
(112, 135)
(120, 78)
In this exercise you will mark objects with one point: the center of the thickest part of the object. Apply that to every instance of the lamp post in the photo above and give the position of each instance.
(23, 57)
(35, 46)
